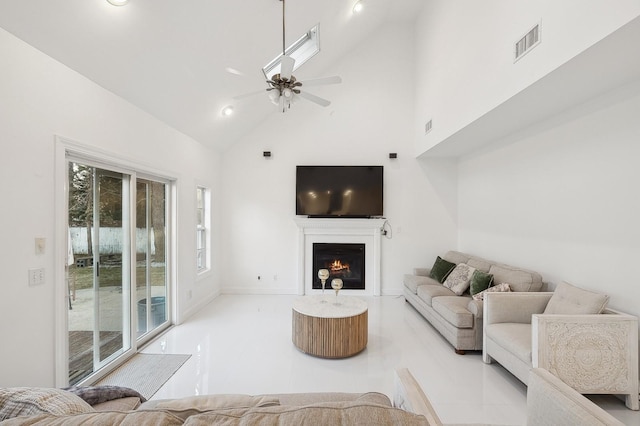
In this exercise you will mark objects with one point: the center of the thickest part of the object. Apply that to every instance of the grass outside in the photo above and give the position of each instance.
(111, 276)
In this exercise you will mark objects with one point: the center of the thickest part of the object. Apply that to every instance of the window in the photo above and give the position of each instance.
(301, 50)
(202, 229)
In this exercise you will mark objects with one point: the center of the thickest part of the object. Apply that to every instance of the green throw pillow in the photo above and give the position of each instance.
(480, 281)
(441, 269)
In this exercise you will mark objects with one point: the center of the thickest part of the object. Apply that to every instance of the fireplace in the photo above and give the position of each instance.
(343, 260)
(345, 231)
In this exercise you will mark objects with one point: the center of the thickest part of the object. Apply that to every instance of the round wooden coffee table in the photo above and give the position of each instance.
(326, 329)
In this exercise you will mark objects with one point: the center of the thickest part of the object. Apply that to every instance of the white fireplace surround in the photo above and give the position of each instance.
(342, 231)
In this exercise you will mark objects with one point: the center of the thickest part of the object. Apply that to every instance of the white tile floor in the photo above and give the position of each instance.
(242, 344)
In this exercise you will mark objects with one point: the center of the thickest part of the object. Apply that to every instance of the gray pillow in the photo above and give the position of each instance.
(571, 300)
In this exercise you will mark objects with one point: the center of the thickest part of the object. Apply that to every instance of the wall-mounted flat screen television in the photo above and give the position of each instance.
(339, 191)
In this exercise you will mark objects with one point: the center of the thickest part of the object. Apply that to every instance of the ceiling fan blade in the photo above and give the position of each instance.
(234, 71)
(315, 99)
(248, 95)
(286, 66)
(320, 81)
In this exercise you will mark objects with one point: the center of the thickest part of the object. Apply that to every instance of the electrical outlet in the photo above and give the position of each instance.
(36, 276)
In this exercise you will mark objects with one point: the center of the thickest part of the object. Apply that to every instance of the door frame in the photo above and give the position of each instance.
(100, 158)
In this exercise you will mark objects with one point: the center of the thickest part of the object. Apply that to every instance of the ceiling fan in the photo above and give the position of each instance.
(283, 88)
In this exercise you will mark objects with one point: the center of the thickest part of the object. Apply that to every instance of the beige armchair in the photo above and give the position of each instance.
(592, 353)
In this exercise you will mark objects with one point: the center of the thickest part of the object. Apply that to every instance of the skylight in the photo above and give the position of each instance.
(301, 51)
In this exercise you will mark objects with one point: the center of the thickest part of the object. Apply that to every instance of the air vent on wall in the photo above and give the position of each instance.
(428, 126)
(528, 42)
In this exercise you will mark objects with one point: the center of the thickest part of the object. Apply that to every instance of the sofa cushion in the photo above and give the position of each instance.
(480, 281)
(110, 418)
(513, 337)
(308, 398)
(412, 282)
(26, 401)
(571, 300)
(441, 268)
(423, 272)
(456, 257)
(188, 406)
(454, 310)
(338, 413)
(127, 403)
(518, 279)
(427, 292)
(458, 280)
(480, 264)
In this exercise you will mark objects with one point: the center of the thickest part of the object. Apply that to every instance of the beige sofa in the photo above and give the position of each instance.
(549, 402)
(595, 353)
(33, 406)
(459, 318)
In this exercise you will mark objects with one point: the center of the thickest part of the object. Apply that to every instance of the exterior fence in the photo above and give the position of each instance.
(110, 240)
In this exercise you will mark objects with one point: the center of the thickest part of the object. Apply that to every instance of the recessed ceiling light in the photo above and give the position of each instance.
(357, 8)
(118, 2)
(227, 111)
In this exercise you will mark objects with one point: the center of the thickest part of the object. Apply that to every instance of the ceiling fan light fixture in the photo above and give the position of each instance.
(283, 88)
(227, 111)
(274, 96)
(357, 8)
(118, 2)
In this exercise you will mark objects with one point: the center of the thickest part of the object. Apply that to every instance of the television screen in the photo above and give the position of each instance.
(339, 191)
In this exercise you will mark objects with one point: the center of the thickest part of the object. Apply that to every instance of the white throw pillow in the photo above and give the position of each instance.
(459, 279)
(500, 288)
(26, 401)
(571, 300)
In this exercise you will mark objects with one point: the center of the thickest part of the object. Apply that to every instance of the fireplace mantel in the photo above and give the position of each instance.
(335, 230)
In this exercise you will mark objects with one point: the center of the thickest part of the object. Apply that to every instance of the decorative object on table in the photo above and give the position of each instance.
(336, 284)
(323, 274)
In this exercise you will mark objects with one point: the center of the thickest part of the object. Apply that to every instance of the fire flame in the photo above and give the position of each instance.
(338, 266)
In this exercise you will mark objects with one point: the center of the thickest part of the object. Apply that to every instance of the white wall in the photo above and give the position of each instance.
(40, 98)
(561, 198)
(465, 53)
(556, 197)
(371, 116)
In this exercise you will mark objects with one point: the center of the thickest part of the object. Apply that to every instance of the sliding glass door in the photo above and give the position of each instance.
(151, 255)
(116, 272)
(99, 268)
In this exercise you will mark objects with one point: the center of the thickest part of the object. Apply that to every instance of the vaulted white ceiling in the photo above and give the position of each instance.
(169, 58)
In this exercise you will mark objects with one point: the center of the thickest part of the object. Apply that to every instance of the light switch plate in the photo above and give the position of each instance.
(41, 245)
